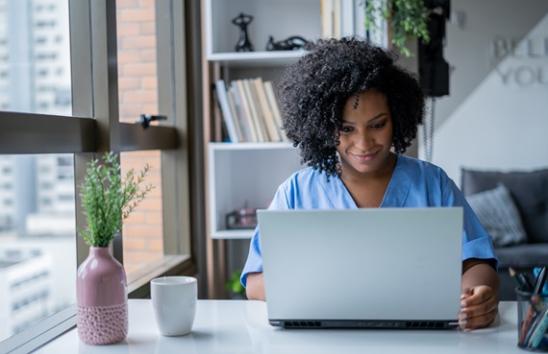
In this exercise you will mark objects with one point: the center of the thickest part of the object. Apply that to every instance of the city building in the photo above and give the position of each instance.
(25, 288)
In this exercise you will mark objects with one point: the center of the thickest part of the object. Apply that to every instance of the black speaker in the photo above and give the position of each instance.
(433, 69)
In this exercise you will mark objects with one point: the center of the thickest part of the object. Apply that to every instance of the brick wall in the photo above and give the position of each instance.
(137, 82)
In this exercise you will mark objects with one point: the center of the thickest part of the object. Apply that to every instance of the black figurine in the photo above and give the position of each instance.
(290, 43)
(242, 21)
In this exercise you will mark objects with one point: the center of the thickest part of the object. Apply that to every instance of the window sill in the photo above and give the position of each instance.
(55, 325)
(138, 281)
(35, 336)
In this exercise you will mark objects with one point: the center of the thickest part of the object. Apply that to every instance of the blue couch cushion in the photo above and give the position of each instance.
(528, 189)
(522, 256)
(499, 216)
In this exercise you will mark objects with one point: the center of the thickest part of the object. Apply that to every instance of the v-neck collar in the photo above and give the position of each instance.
(396, 191)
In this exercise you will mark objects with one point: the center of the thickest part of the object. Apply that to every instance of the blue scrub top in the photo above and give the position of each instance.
(414, 183)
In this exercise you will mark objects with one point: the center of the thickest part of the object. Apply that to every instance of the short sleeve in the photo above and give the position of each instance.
(476, 242)
(254, 262)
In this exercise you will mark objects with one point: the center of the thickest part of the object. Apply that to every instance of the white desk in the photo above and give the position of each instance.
(241, 327)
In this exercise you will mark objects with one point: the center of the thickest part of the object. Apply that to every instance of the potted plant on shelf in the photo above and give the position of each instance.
(234, 287)
(101, 285)
(406, 18)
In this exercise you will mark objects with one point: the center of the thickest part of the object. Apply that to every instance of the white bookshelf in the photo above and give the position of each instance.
(279, 18)
(250, 146)
(245, 174)
(249, 172)
(232, 234)
(255, 59)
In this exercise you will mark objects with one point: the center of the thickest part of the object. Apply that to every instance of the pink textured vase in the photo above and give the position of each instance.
(101, 293)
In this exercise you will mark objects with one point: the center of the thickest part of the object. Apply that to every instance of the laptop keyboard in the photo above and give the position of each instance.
(363, 324)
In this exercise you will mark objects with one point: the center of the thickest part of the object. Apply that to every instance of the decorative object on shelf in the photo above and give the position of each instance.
(234, 287)
(101, 288)
(244, 218)
(242, 21)
(405, 17)
(290, 43)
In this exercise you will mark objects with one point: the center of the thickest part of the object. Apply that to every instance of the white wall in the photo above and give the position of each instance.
(497, 114)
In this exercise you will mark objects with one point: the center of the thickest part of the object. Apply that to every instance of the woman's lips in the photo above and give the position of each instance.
(364, 157)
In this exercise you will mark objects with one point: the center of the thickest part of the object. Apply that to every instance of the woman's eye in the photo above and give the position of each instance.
(346, 129)
(379, 125)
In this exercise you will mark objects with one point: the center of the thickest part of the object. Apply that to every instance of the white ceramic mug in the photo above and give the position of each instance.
(174, 303)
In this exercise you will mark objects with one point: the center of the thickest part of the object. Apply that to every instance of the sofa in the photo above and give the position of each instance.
(529, 192)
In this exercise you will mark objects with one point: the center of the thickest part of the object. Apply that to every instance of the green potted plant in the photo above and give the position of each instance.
(101, 286)
(406, 18)
(234, 287)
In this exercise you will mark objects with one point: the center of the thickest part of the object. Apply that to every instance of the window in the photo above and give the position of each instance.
(143, 230)
(137, 73)
(33, 57)
(66, 198)
(62, 96)
(56, 132)
(42, 24)
(37, 249)
(138, 94)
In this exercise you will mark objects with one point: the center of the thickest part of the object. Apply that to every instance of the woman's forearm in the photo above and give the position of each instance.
(479, 273)
(255, 286)
(475, 273)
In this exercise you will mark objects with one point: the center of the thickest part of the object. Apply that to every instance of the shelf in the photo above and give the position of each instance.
(279, 19)
(250, 146)
(247, 59)
(232, 234)
(245, 175)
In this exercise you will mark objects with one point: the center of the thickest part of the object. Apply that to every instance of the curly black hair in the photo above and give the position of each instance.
(314, 90)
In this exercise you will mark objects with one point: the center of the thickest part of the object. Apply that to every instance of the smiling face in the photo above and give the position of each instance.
(366, 134)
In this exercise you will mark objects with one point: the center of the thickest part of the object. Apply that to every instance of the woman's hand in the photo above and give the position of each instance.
(479, 307)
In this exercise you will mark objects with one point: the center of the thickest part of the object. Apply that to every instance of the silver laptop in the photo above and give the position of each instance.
(363, 268)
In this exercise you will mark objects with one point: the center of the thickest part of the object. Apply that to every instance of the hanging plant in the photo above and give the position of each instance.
(406, 18)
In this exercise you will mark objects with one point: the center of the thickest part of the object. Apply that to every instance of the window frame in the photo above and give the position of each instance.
(94, 127)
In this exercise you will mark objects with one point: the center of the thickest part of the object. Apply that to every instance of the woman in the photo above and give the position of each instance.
(352, 113)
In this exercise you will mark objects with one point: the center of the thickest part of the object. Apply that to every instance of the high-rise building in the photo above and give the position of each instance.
(50, 56)
(25, 288)
(54, 214)
(55, 180)
(37, 195)
(4, 56)
(35, 56)
(8, 212)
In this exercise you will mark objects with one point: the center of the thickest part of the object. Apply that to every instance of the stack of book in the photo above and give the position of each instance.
(250, 111)
(338, 18)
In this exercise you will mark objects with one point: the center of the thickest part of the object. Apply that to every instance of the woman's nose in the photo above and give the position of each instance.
(364, 140)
